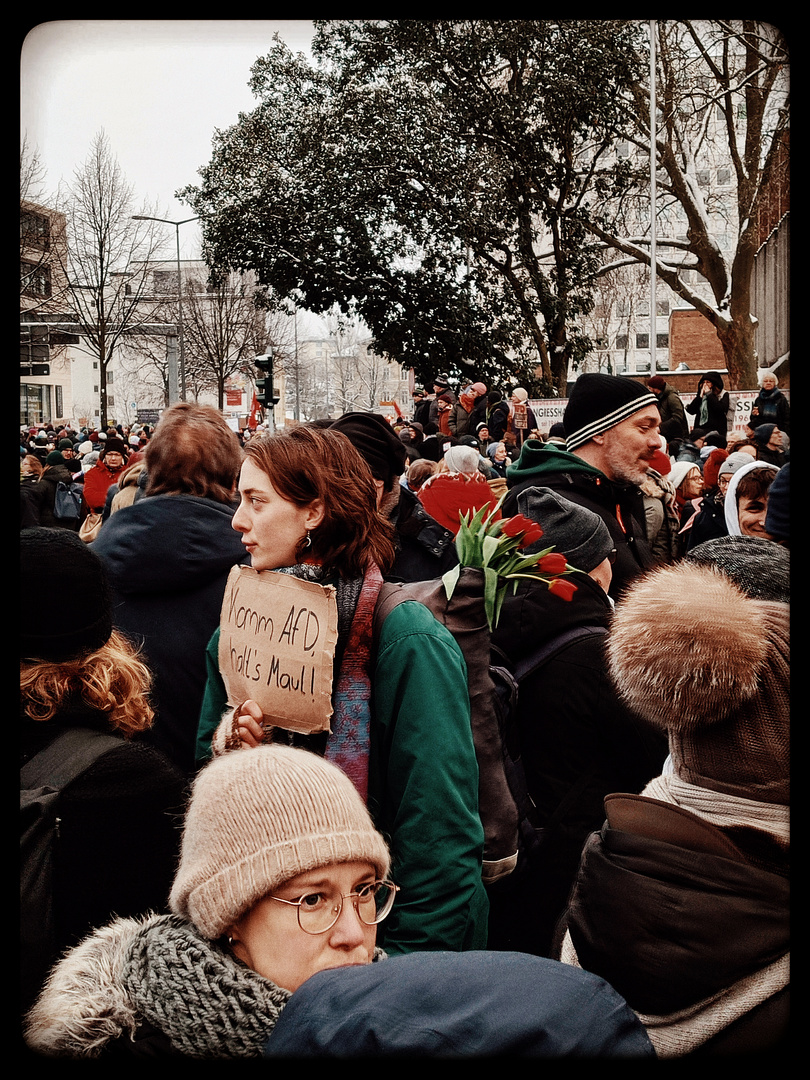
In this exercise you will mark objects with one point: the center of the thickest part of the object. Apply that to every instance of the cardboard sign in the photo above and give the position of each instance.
(277, 637)
(520, 418)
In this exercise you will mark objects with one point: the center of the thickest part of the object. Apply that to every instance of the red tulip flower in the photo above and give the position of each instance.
(518, 524)
(562, 588)
(553, 563)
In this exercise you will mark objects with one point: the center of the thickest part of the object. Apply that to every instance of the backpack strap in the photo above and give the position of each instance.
(657, 820)
(512, 676)
(548, 650)
(65, 758)
(391, 594)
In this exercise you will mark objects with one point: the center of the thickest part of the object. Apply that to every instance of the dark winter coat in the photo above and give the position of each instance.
(46, 496)
(709, 523)
(119, 833)
(421, 412)
(425, 549)
(669, 926)
(621, 506)
(671, 407)
(578, 743)
(770, 407)
(169, 557)
(497, 420)
(717, 406)
(460, 420)
(452, 1005)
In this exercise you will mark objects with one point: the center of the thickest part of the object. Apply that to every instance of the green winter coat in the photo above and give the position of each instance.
(423, 782)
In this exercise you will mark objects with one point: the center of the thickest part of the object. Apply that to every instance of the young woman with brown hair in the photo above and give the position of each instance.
(400, 722)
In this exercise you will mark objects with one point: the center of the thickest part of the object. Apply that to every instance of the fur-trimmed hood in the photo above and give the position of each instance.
(690, 652)
(84, 1005)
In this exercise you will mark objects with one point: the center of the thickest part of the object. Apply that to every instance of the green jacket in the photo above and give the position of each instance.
(423, 782)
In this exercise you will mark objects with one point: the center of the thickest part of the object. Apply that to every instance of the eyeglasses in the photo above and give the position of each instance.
(611, 558)
(318, 913)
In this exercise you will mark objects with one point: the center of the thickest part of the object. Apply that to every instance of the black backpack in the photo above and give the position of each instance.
(507, 678)
(68, 501)
(511, 828)
(42, 780)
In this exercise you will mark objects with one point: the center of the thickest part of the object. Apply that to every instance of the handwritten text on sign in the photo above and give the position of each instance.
(276, 646)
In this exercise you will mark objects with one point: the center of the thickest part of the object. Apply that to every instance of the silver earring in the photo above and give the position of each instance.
(307, 541)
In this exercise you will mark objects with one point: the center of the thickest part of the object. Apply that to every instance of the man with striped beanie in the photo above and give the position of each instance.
(611, 431)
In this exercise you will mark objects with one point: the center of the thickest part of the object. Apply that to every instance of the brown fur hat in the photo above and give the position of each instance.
(689, 651)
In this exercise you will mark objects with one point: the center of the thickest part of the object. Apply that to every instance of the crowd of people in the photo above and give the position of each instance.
(197, 883)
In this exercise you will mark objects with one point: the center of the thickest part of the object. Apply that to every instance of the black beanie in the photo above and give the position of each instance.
(599, 402)
(376, 441)
(56, 563)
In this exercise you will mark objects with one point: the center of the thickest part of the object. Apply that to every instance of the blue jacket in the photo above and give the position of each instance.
(471, 1004)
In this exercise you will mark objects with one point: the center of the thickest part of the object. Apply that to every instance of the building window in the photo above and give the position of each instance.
(724, 176)
(662, 307)
(623, 150)
(164, 281)
(35, 279)
(35, 230)
(621, 341)
(642, 341)
(662, 341)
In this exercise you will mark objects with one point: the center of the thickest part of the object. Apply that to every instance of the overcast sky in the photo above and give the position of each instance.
(158, 88)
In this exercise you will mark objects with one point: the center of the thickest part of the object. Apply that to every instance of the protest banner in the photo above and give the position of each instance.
(276, 646)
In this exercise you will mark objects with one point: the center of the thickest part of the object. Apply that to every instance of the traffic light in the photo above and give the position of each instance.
(265, 392)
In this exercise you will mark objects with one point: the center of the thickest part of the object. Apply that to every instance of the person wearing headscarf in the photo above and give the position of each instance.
(522, 423)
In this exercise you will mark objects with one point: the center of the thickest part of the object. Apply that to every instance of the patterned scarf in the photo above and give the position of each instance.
(348, 744)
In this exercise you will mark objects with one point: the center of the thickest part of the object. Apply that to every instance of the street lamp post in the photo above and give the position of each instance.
(181, 341)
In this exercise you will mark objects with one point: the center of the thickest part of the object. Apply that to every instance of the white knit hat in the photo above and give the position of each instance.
(259, 817)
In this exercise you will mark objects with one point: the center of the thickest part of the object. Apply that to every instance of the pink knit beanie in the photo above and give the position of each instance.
(256, 819)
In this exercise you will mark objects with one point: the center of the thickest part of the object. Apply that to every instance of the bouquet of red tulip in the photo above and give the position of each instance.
(495, 545)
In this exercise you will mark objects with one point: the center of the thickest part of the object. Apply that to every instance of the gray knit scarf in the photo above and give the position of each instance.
(208, 1003)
